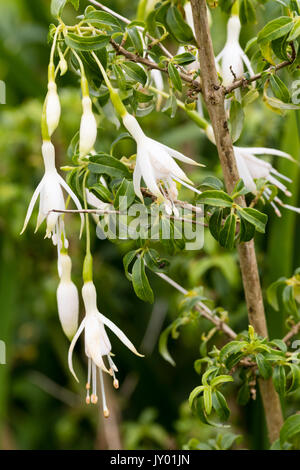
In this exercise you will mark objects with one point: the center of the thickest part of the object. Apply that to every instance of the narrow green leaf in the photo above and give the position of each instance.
(174, 76)
(215, 198)
(254, 217)
(220, 406)
(135, 72)
(275, 29)
(86, 43)
(140, 281)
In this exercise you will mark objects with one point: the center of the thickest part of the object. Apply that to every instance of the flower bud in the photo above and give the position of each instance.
(52, 107)
(88, 128)
(67, 298)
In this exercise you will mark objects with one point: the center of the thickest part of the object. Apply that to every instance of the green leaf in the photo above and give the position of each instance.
(75, 4)
(227, 233)
(265, 369)
(254, 217)
(103, 18)
(247, 12)
(125, 190)
(140, 281)
(220, 406)
(127, 260)
(207, 397)
(135, 72)
(102, 192)
(86, 43)
(174, 76)
(275, 29)
(194, 394)
(295, 31)
(229, 439)
(57, 7)
(294, 376)
(154, 262)
(220, 379)
(136, 40)
(215, 223)
(272, 292)
(213, 182)
(247, 231)
(108, 165)
(215, 198)
(231, 348)
(279, 379)
(184, 59)
(290, 429)
(178, 27)
(289, 300)
(236, 119)
(279, 89)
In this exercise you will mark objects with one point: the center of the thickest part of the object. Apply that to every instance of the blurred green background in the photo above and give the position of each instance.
(41, 406)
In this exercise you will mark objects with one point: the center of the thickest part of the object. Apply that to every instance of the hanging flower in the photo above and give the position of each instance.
(97, 346)
(51, 196)
(251, 168)
(67, 297)
(52, 107)
(88, 128)
(232, 57)
(156, 165)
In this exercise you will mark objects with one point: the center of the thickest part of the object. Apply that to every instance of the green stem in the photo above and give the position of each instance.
(192, 114)
(87, 273)
(114, 96)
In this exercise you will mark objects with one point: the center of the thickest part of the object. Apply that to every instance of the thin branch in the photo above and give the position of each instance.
(244, 82)
(127, 21)
(153, 65)
(201, 308)
(293, 332)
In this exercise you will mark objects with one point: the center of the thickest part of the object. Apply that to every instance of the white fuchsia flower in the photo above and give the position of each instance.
(251, 168)
(88, 128)
(232, 58)
(51, 196)
(67, 297)
(156, 165)
(97, 346)
(53, 109)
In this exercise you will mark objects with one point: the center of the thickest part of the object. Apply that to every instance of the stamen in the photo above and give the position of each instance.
(187, 185)
(113, 369)
(104, 405)
(276, 210)
(94, 398)
(88, 384)
(280, 175)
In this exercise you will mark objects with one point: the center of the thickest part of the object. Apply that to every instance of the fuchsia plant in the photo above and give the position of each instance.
(134, 71)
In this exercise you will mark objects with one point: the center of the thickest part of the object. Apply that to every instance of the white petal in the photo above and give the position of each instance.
(137, 176)
(32, 203)
(119, 333)
(179, 156)
(75, 200)
(244, 172)
(267, 151)
(147, 172)
(71, 348)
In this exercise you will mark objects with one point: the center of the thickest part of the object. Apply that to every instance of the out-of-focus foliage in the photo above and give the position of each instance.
(41, 406)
